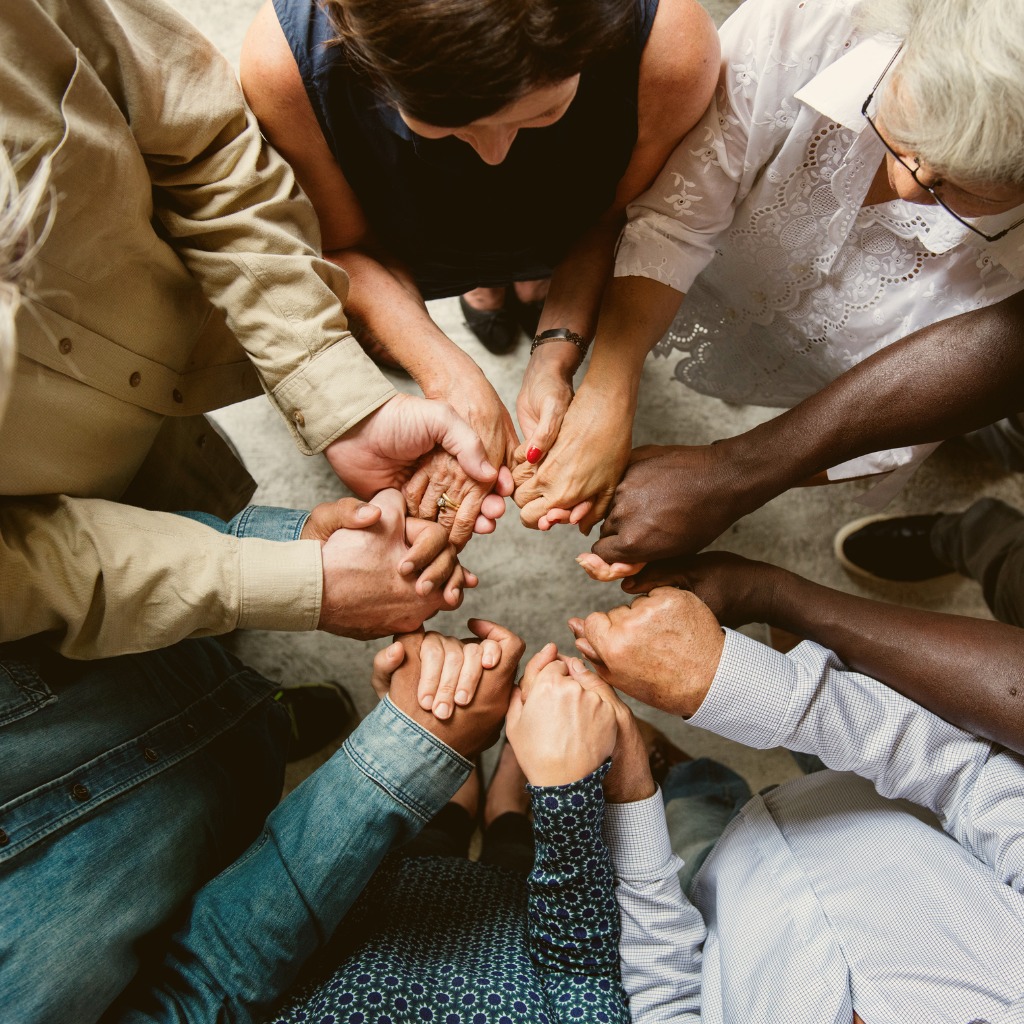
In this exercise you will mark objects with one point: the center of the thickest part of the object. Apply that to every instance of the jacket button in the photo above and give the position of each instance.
(300, 420)
(150, 755)
(64, 345)
(4, 838)
(79, 792)
(135, 379)
(177, 396)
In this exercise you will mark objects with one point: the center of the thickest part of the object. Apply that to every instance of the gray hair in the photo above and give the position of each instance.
(20, 238)
(956, 98)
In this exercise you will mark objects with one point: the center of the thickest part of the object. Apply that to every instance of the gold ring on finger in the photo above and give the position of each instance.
(445, 502)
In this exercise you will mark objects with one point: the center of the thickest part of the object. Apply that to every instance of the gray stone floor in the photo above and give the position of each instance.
(529, 581)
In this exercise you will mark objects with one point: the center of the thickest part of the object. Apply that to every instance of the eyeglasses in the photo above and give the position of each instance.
(930, 189)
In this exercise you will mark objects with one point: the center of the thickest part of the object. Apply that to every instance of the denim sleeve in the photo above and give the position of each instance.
(251, 928)
(573, 916)
(264, 522)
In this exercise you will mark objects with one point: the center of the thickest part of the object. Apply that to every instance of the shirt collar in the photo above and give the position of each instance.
(838, 92)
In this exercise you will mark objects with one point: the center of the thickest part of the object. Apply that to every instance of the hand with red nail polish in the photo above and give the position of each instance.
(543, 400)
(533, 455)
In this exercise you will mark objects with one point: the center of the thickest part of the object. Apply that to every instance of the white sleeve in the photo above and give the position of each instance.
(808, 700)
(671, 231)
(663, 934)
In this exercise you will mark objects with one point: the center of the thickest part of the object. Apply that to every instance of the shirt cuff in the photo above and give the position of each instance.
(404, 759)
(750, 694)
(330, 394)
(281, 584)
(637, 836)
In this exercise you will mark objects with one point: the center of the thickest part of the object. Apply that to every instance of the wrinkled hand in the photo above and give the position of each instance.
(388, 575)
(384, 449)
(399, 672)
(663, 649)
(559, 730)
(736, 589)
(673, 501)
(543, 400)
(576, 479)
(450, 669)
(481, 504)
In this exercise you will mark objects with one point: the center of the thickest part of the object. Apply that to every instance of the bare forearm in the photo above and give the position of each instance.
(635, 315)
(386, 308)
(954, 376)
(968, 671)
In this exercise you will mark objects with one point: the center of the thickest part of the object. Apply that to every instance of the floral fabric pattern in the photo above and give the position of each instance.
(449, 941)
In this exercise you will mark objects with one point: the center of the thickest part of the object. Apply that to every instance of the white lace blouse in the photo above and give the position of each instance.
(757, 217)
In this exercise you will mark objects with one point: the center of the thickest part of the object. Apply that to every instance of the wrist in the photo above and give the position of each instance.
(560, 357)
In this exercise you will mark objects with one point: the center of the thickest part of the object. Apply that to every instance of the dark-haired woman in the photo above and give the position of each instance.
(450, 145)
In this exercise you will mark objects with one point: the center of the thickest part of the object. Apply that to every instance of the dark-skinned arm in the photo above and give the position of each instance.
(967, 671)
(941, 381)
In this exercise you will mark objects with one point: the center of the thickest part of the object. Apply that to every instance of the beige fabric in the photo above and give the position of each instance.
(181, 274)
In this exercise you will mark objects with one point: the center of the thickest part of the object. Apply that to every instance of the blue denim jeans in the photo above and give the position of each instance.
(125, 784)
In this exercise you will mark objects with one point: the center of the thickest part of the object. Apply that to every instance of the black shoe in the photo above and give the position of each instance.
(319, 712)
(497, 329)
(897, 549)
(528, 314)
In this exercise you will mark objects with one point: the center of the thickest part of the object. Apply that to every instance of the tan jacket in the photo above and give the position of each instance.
(181, 273)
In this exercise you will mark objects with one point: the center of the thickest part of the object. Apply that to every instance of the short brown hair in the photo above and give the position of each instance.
(450, 62)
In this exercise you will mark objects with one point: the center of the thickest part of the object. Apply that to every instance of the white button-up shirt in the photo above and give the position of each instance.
(892, 885)
(758, 218)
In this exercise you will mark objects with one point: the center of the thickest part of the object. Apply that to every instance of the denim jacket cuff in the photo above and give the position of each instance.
(411, 764)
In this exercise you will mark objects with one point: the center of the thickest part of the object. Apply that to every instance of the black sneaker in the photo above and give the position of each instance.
(319, 712)
(896, 549)
(497, 329)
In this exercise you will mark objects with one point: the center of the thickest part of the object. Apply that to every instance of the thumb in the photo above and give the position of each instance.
(344, 514)
(458, 438)
(514, 714)
(385, 664)
(545, 433)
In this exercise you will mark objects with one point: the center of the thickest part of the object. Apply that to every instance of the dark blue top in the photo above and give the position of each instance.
(447, 941)
(456, 222)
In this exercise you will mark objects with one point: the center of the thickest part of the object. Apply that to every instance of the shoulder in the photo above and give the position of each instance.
(679, 67)
(270, 76)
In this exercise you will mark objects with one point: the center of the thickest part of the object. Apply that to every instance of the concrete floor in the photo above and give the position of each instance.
(529, 580)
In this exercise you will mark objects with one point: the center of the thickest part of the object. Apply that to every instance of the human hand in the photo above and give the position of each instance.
(390, 575)
(674, 500)
(598, 569)
(399, 672)
(559, 730)
(663, 649)
(450, 669)
(576, 479)
(736, 589)
(543, 400)
(439, 473)
(383, 450)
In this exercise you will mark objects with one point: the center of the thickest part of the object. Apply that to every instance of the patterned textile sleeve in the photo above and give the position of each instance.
(663, 934)
(573, 918)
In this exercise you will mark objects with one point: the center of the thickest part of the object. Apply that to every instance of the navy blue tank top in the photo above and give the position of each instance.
(456, 222)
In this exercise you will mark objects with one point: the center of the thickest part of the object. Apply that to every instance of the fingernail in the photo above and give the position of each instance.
(426, 588)
(488, 661)
(441, 711)
(533, 455)
(405, 568)
(461, 697)
(394, 648)
(427, 701)
(364, 512)
(456, 594)
(487, 467)
(576, 665)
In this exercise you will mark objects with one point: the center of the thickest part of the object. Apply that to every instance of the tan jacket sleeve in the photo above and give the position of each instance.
(230, 207)
(105, 579)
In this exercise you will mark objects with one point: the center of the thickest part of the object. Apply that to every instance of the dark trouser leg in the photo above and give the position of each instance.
(508, 843)
(125, 784)
(447, 834)
(986, 543)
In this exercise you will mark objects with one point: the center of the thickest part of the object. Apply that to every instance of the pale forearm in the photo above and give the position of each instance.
(635, 314)
(386, 307)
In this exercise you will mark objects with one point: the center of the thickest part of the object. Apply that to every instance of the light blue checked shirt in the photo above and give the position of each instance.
(892, 885)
